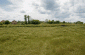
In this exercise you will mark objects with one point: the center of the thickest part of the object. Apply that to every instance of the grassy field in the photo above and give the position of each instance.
(59, 40)
(40, 25)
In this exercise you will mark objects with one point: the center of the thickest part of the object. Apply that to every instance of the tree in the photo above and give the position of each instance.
(57, 22)
(7, 22)
(79, 22)
(63, 21)
(22, 23)
(35, 22)
(25, 17)
(50, 22)
(28, 19)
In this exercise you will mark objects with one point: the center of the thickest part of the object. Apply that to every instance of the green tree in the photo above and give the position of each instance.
(25, 17)
(7, 22)
(22, 23)
(28, 19)
(51, 22)
(63, 21)
(57, 22)
(35, 22)
(79, 22)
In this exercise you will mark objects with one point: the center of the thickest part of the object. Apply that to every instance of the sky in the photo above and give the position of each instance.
(62, 10)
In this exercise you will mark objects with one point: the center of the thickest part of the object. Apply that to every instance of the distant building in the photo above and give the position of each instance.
(14, 22)
(3, 21)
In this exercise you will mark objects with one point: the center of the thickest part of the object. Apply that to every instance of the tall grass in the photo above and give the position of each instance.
(68, 40)
(40, 25)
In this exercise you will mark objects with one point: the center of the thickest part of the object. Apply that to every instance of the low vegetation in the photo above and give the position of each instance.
(58, 40)
(1, 23)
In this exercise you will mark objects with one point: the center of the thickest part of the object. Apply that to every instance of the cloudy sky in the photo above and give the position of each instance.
(63, 10)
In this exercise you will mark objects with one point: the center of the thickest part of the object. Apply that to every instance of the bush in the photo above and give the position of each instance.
(22, 23)
(51, 22)
(57, 22)
(35, 22)
(79, 22)
(63, 21)
(7, 22)
(1, 23)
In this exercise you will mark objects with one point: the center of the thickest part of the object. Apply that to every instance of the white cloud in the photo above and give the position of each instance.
(67, 10)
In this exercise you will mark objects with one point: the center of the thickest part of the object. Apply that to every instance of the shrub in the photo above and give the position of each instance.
(51, 22)
(79, 22)
(1, 23)
(35, 22)
(63, 21)
(7, 22)
(57, 22)
(22, 23)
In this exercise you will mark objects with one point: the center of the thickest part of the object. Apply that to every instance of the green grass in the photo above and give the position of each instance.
(68, 40)
(40, 25)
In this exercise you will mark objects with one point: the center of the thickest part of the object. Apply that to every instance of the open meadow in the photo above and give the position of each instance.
(56, 40)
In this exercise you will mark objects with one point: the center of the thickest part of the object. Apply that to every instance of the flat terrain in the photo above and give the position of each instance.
(59, 40)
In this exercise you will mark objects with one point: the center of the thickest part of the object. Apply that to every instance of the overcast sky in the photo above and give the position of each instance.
(63, 10)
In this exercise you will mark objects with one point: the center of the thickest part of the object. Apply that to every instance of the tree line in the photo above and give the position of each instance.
(28, 21)
(58, 22)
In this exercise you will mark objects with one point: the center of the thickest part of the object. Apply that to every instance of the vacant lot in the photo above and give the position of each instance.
(59, 40)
